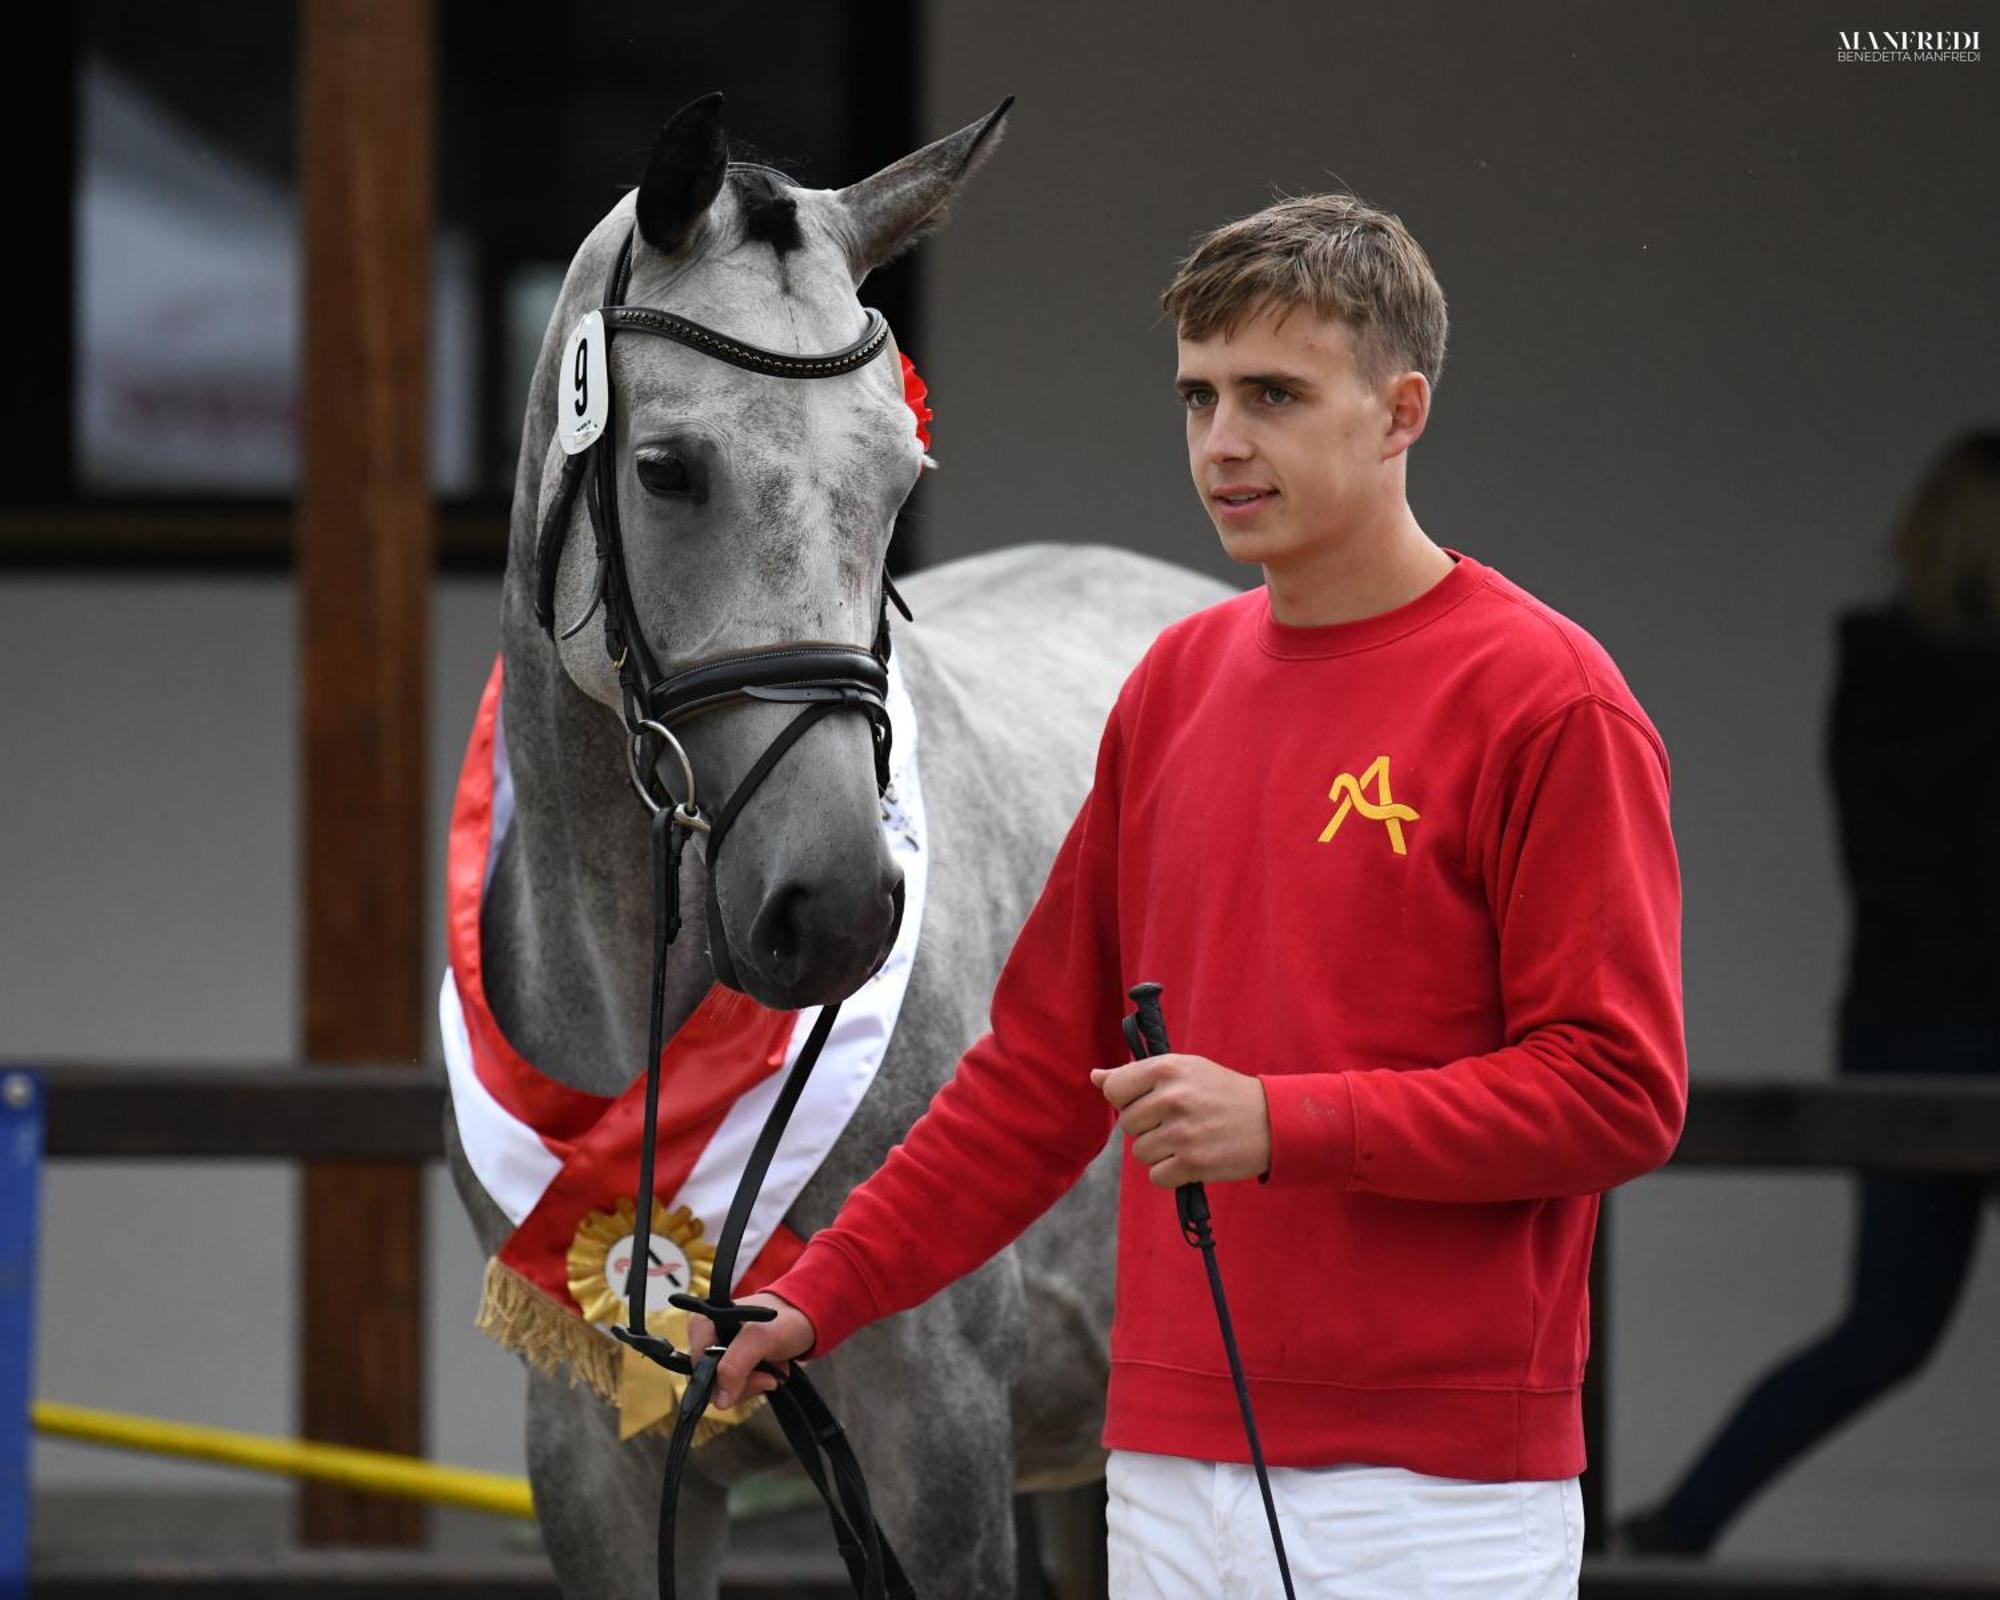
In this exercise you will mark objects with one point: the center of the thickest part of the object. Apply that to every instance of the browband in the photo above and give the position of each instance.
(771, 363)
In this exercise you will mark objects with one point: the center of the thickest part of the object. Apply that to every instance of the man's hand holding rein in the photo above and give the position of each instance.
(790, 1334)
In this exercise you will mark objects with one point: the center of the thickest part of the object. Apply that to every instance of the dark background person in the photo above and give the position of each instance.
(1913, 754)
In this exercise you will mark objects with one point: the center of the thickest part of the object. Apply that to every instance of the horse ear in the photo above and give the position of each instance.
(889, 212)
(684, 175)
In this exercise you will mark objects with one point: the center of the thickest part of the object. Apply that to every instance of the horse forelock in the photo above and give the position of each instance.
(770, 212)
(767, 265)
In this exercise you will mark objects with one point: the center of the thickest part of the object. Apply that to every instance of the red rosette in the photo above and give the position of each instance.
(915, 392)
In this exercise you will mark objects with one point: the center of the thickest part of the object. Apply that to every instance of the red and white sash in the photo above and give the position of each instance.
(561, 1163)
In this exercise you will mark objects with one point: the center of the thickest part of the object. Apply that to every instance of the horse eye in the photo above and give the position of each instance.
(664, 473)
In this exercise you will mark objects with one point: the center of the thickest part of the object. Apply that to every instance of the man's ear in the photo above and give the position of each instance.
(1409, 402)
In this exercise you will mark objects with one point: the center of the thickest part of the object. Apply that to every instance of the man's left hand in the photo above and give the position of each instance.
(1191, 1120)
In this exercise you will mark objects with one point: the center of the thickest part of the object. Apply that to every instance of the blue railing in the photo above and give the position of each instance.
(20, 1181)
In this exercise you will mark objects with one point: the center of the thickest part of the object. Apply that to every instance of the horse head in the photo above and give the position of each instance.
(749, 511)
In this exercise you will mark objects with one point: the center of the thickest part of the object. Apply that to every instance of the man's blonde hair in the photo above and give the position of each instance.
(1332, 255)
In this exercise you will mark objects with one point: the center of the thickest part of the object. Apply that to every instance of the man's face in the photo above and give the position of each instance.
(1286, 441)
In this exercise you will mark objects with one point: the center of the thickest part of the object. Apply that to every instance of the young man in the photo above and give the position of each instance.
(1394, 837)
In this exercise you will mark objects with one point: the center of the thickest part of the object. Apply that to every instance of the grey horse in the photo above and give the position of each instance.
(996, 1384)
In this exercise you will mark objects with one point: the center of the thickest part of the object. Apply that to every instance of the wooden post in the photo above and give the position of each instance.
(364, 561)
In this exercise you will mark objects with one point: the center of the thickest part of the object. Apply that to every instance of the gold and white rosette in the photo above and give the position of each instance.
(600, 1260)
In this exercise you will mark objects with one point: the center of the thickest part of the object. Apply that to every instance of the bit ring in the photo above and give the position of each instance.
(685, 813)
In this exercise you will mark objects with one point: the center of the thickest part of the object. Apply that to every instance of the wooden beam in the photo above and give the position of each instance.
(364, 559)
(1931, 1125)
(149, 1113)
(213, 536)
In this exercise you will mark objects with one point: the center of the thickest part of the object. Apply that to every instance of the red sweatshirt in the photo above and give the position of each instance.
(1414, 872)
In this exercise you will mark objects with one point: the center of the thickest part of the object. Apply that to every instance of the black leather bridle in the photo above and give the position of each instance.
(822, 678)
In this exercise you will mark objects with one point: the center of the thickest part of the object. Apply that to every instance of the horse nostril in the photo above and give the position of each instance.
(779, 930)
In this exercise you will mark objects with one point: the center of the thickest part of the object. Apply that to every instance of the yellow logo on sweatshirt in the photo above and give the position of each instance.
(1383, 809)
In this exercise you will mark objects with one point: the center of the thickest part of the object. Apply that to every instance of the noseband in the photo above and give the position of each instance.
(820, 677)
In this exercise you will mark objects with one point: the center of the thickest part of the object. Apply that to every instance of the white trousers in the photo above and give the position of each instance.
(1195, 1530)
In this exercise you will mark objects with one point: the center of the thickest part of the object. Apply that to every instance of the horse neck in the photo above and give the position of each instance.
(567, 930)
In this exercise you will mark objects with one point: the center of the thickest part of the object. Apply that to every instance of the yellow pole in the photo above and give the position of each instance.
(373, 1470)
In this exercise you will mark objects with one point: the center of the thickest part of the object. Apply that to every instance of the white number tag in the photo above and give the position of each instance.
(583, 386)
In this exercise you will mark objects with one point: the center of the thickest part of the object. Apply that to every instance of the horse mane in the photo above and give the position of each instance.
(770, 214)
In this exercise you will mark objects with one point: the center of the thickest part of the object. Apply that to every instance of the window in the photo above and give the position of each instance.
(155, 408)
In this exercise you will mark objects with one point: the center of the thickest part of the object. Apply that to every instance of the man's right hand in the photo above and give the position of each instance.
(737, 1379)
